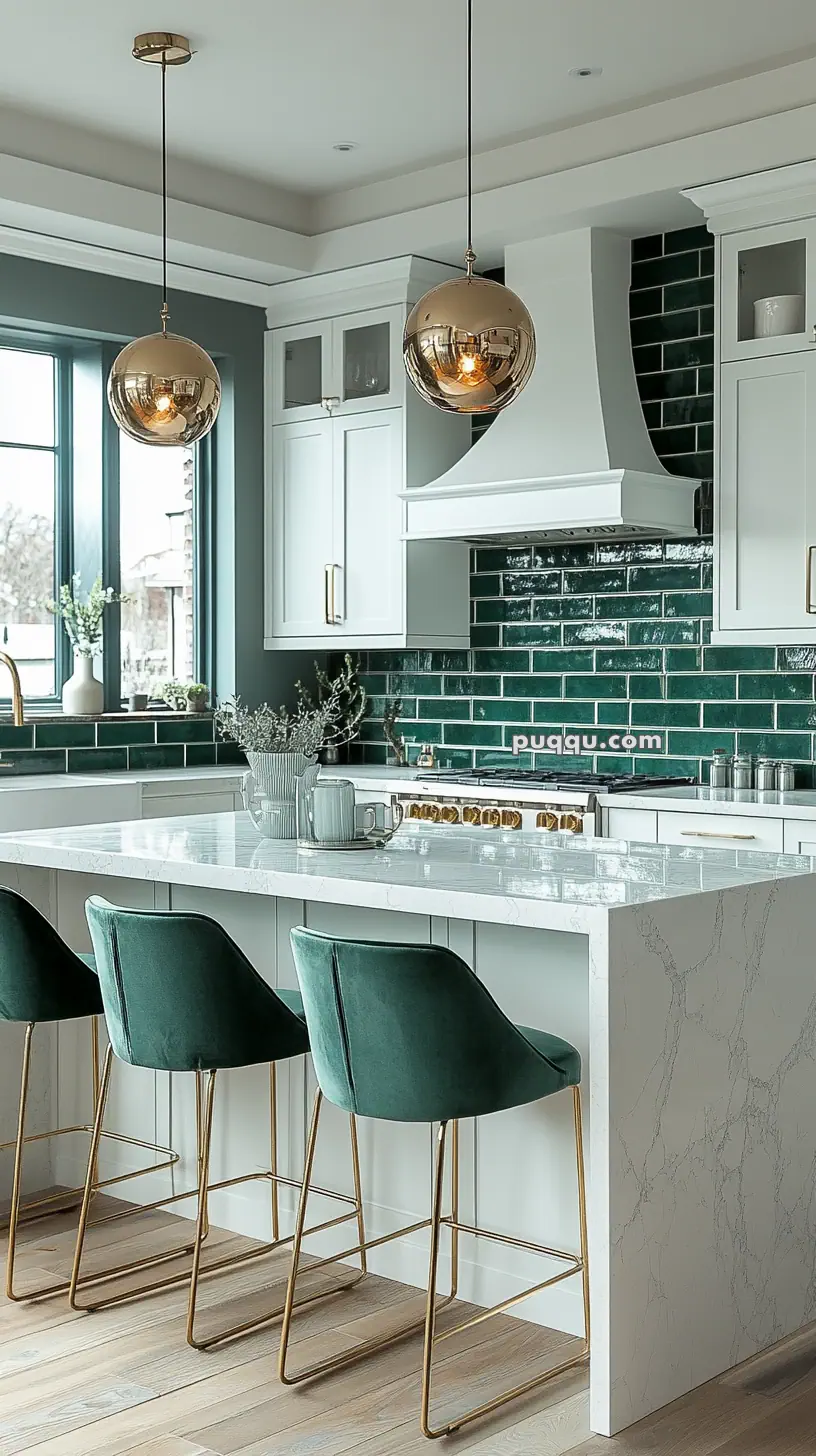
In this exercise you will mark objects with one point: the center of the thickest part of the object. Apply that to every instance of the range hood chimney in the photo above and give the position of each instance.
(571, 457)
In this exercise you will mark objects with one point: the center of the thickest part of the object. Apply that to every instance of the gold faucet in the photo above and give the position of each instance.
(16, 690)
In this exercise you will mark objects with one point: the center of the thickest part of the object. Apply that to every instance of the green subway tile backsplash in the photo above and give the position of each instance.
(615, 634)
(111, 744)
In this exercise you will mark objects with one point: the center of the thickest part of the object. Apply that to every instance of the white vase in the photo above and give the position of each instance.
(271, 789)
(82, 694)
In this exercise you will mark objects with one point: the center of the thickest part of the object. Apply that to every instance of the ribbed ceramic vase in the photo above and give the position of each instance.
(271, 789)
(82, 694)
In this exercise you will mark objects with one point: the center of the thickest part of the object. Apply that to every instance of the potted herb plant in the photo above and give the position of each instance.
(174, 694)
(198, 697)
(282, 748)
(83, 694)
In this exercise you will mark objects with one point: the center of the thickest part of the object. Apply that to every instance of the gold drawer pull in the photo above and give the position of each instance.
(809, 605)
(712, 834)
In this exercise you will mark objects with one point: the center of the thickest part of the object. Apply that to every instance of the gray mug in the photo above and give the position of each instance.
(382, 820)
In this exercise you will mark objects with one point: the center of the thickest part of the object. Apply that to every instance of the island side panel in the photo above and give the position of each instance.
(711, 1088)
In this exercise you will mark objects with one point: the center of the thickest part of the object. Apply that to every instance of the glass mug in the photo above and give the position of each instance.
(379, 821)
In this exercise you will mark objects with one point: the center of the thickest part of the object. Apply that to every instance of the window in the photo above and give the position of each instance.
(156, 558)
(30, 476)
(74, 494)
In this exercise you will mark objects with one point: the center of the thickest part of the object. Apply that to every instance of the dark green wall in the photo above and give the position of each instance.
(78, 302)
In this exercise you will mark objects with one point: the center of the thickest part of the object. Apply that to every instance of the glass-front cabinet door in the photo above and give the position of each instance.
(301, 372)
(768, 283)
(368, 360)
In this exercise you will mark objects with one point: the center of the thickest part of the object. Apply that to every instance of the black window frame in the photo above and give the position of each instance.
(65, 352)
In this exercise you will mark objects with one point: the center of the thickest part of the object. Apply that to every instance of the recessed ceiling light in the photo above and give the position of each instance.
(584, 72)
(344, 147)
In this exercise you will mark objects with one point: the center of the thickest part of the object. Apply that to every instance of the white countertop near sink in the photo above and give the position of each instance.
(221, 773)
(798, 804)
(512, 879)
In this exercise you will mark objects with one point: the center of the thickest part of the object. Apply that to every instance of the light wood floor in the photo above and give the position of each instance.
(124, 1380)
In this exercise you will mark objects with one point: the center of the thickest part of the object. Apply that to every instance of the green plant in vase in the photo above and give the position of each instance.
(83, 694)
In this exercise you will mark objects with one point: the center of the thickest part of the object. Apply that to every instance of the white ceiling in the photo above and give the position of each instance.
(276, 82)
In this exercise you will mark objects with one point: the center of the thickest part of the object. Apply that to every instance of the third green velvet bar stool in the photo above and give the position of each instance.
(181, 996)
(407, 1033)
(42, 980)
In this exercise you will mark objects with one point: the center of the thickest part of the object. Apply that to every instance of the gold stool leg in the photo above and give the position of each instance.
(93, 1156)
(201, 1219)
(582, 1204)
(430, 1306)
(17, 1178)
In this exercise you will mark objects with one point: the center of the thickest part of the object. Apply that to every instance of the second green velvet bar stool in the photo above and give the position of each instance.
(407, 1033)
(41, 981)
(181, 996)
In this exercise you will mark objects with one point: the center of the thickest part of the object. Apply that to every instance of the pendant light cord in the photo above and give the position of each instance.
(470, 256)
(165, 312)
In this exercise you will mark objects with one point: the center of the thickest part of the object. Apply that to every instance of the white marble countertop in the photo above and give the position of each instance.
(220, 773)
(798, 804)
(567, 884)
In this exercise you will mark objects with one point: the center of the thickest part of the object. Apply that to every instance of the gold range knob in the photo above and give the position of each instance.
(430, 812)
(490, 818)
(414, 811)
(546, 819)
(572, 823)
(471, 814)
(448, 814)
(511, 818)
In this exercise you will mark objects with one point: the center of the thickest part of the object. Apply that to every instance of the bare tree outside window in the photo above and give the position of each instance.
(156, 542)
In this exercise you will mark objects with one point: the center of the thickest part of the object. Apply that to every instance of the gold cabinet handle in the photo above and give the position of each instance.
(327, 570)
(712, 834)
(809, 606)
(813, 335)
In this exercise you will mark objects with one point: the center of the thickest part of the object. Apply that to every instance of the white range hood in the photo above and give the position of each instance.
(571, 457)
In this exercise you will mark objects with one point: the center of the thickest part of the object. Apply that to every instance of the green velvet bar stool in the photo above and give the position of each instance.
(41, 981)
(408, 1033)
(180, 996)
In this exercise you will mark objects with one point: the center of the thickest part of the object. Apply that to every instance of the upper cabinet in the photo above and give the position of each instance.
(346, 435)
(765, 406)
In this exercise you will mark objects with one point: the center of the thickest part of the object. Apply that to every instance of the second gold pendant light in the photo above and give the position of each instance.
(164, 389)
(469, 344)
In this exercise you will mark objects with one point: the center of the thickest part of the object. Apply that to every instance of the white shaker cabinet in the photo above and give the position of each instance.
(765, 388)
(346, 435)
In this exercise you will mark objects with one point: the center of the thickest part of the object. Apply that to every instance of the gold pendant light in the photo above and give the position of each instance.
(469, 344)
(164, 389)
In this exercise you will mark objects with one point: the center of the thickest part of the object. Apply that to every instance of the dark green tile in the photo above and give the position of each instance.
(65, 735)
(563, 555)
(531, 583)
(740, 659)
(706, 377)
(705, 438)
(677, 440)
(707, 262)
(665, 715)
(699, 466)
(566, 660)
(455, 660)
(512, 730)
(665, 327)
(693, 293)
(701, 743)
(776, 745)
(473, 735)
(602, 579)
(644, 634)
(229, 753)
(681, 355)
(452, 758)
(395, 661)
(374, 683)
(617, 763)
(684, 659)
(688, 604)
(504, 558)
(485, 635)
(442, 708)
(707, 576)
(697, 410)
(532, 634)
(532, 686)
(15, 761)
(776, 685)
(699, 549)
(467, 686)
(165, 755)
(663, 578)
(487, 759)
(117, 735)
(744, 715)
(645, 301)
(595, 685)
(628, 606)
(498, 710)
(199, 755)
(612, 713)
(577, 762)
(485, 586)
(647, 685)
(501, 661)
(702, 685)
(97, 760)
(563, 609)
(11, 737)
(668, 383)
(629, 553)
(668, 767)
(650, 247)
(505, 610)
(424, 732)
(422, 684)
(795, 659)
(657, 272)
(681, 239)
(652, 413)
(579, 712)
(629, 659)
(590, 633)
(648, 359)
(791, 715)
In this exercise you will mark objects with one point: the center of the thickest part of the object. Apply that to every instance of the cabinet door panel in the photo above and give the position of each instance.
(299, 371)
(767, 263)
(367, 464)
(766, 516)
(300, 529)
(367, 366)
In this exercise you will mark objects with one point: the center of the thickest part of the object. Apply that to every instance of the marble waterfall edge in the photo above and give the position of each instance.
(703, 1098)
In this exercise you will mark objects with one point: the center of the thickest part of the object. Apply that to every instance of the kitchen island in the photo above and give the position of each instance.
(683, 975)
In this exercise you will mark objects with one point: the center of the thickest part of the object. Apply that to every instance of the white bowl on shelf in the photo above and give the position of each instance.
(783, 313)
